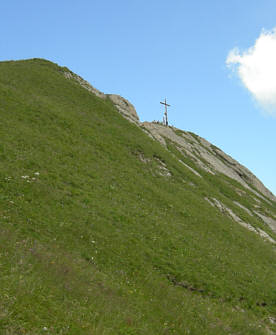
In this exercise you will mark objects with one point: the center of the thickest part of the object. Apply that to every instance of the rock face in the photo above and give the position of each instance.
(123, 106)
(208, 157)
(268, 220)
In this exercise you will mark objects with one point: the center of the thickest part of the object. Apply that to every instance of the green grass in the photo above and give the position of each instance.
(99, 242)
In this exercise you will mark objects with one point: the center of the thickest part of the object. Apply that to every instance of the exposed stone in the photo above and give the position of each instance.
(272, 319)
(244, 208)
(154, 131)
(268, 220)
(143, 158)
(163, 169)
(125, 108)
(209, 201)
(161, 132)
(227, 211)
(235, 170)
(191, 169)
(209, 158)
(241, 192)
(84, 83)
(257, 200)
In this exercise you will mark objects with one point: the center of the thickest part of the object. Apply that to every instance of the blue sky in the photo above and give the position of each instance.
(149, 50)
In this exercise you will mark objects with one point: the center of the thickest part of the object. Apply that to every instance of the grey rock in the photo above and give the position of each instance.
(125, 108)
(243, 207)
(268, 220)
(209, 158)
(191, 169)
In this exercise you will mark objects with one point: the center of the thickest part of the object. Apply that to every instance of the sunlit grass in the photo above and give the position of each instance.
(95, 241)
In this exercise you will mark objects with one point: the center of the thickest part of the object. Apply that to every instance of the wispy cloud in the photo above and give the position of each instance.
(256, 67)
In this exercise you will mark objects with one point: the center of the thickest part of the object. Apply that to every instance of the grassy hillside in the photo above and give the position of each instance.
(95, 240)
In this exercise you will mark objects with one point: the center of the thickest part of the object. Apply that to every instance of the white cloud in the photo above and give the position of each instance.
(256, 68)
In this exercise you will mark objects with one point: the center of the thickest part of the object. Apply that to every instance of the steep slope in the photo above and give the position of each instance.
(214, 161)
(105, 230)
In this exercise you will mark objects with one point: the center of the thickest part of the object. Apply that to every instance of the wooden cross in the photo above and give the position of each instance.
(165, 119)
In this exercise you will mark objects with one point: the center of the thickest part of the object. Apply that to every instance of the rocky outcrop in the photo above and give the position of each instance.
(125, 108)
(268, 220)
(208, 157)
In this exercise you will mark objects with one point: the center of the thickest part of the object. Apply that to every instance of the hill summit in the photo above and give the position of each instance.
(110, 225)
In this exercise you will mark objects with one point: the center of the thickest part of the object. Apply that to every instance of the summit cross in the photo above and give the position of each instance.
(165, 118)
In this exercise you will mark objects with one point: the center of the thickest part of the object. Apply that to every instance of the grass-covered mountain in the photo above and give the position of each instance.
(115, 227)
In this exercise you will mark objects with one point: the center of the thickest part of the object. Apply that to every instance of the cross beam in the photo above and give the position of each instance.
(165, 119)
